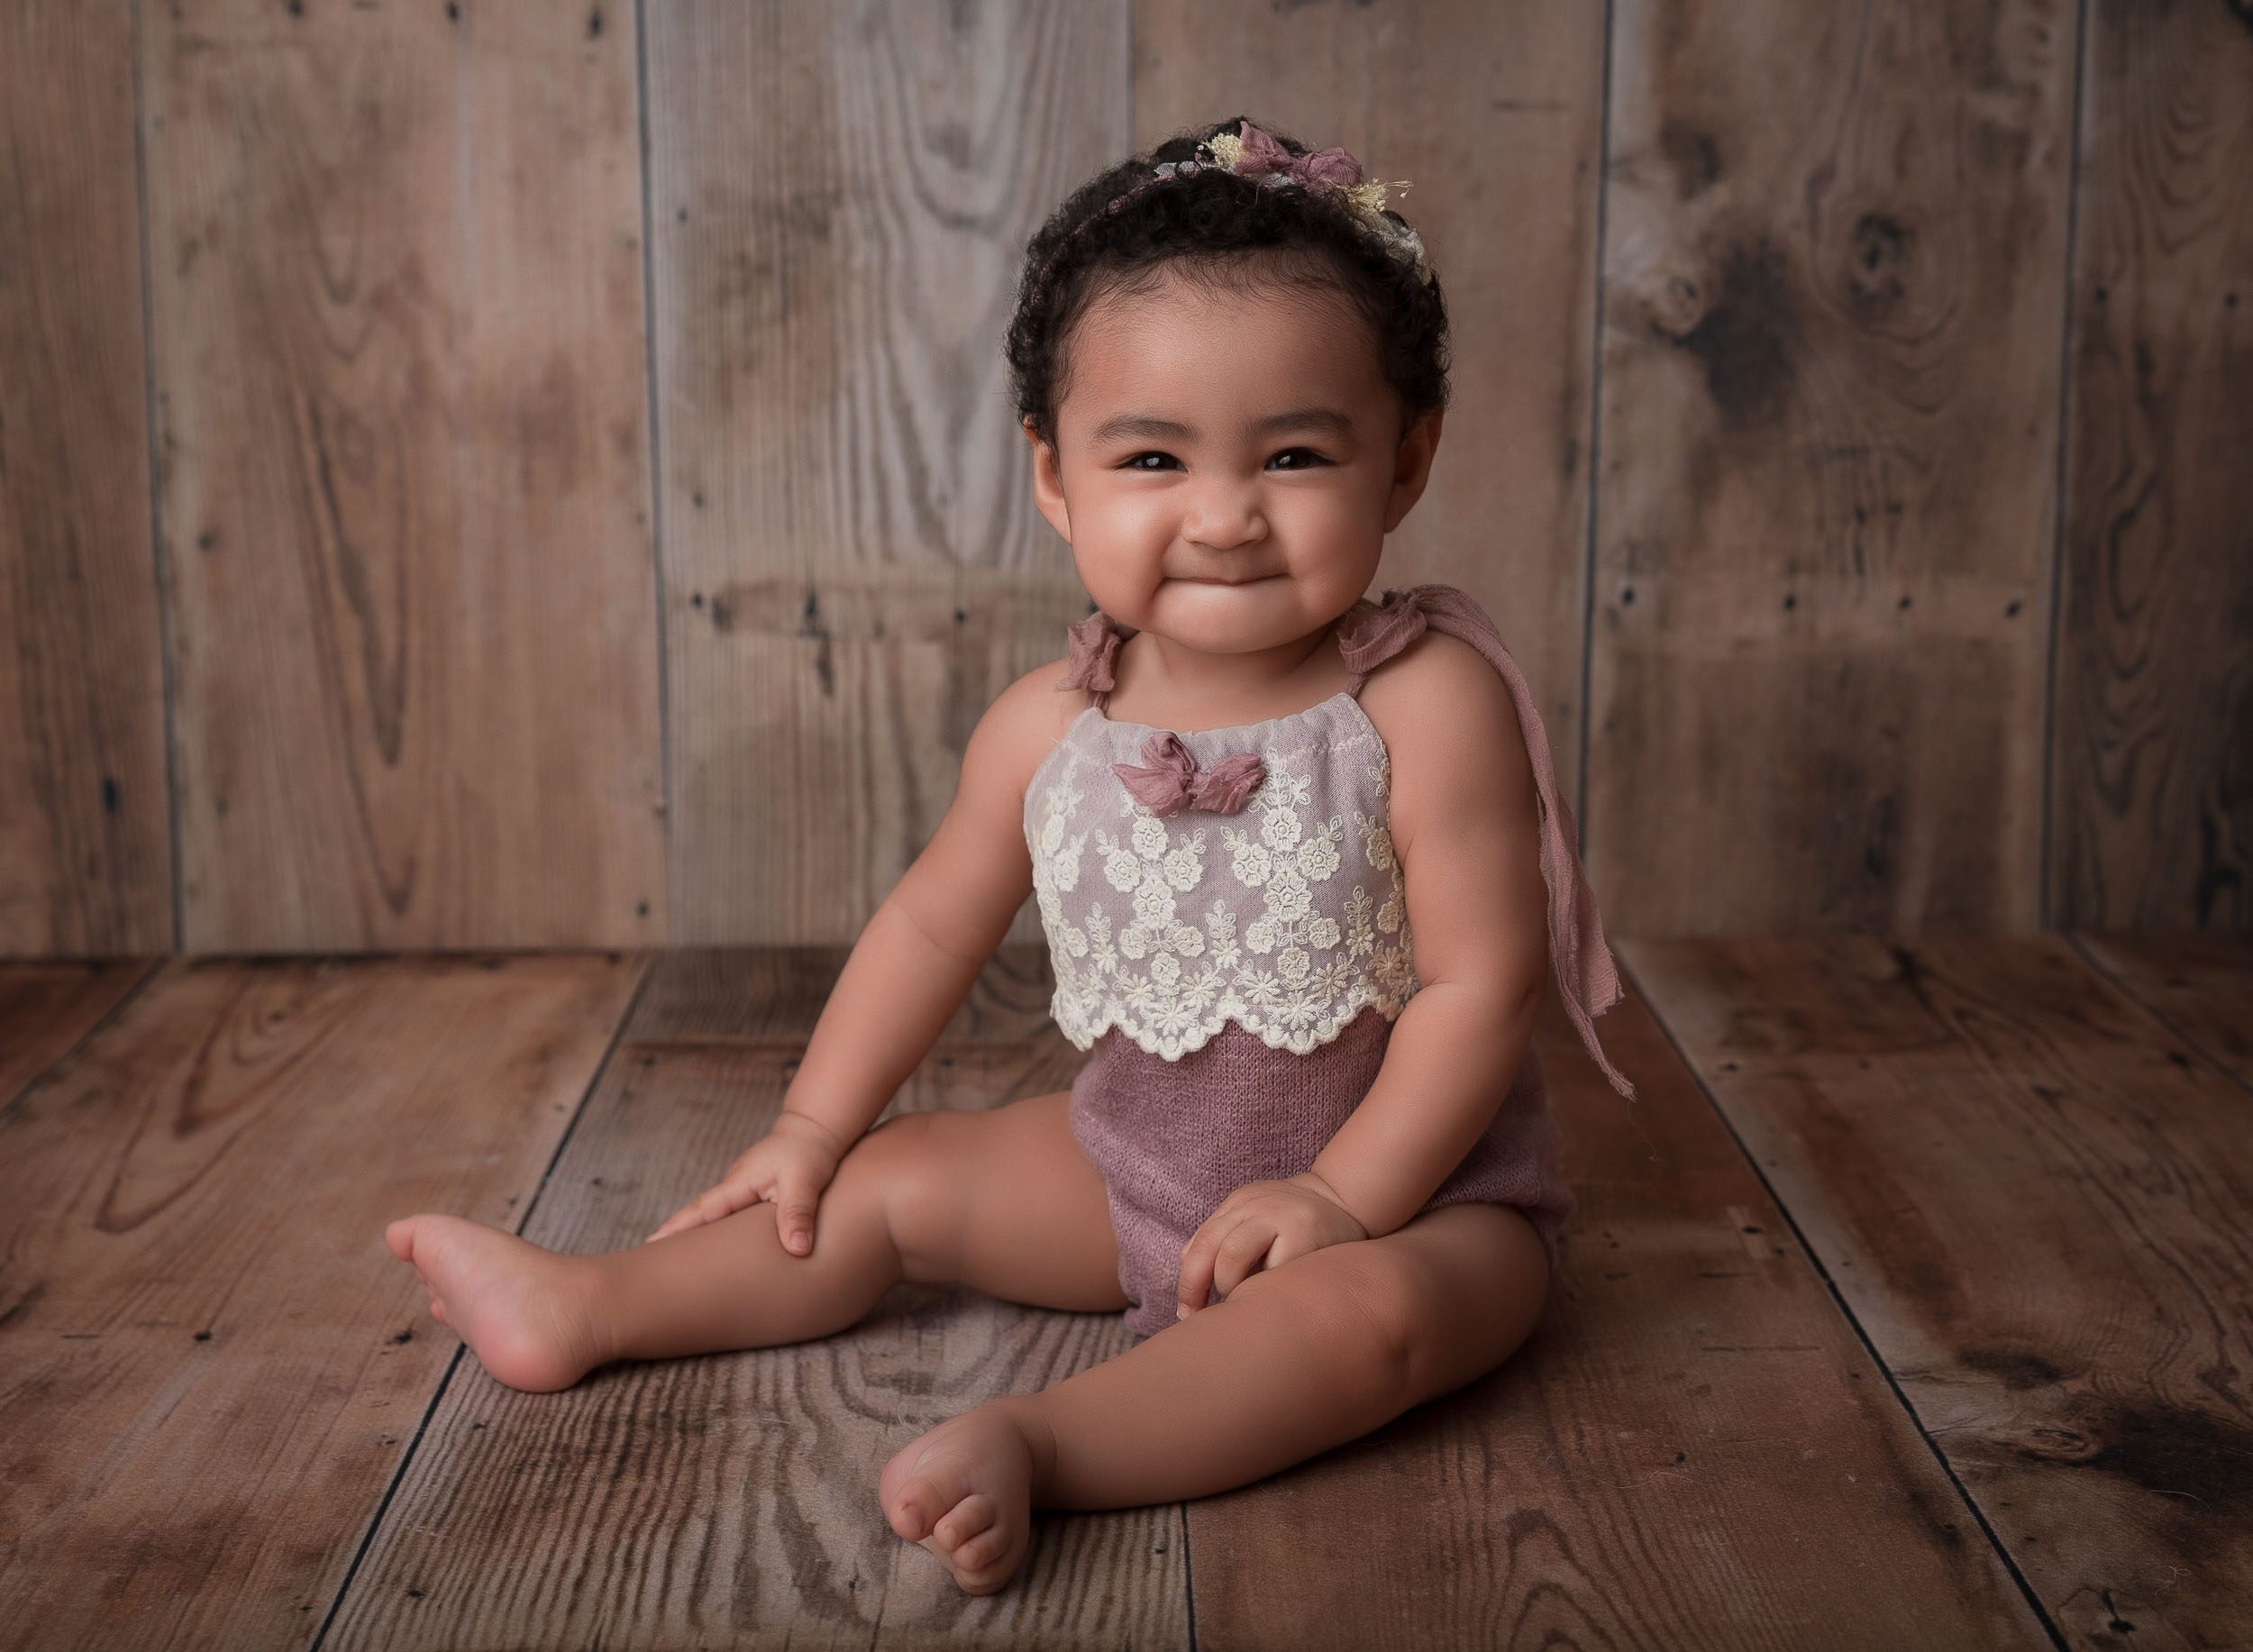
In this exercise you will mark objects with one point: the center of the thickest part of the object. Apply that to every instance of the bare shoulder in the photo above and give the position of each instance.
(1020, 728)
(1440, 698)
(1450, 729)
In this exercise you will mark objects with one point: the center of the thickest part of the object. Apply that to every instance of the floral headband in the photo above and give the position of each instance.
(1249, 153)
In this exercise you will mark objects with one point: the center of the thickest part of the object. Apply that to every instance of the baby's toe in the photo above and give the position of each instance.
(912, 1504)
(962, 1491)
(976, 1553)
(981, 1545)
(966, 1520)
(986, 1576)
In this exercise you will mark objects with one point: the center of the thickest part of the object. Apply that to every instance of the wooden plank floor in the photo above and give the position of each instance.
(1907, 1306)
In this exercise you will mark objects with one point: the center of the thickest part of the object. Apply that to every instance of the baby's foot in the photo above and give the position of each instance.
(523, 1310)
(964, 1491)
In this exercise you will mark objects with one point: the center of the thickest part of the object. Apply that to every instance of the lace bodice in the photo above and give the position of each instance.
(1246, 874)
(1285, 916)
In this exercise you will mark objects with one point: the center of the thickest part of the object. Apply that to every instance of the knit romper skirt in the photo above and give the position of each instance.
(1228, 930)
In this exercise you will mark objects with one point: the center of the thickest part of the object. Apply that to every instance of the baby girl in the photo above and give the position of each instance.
(1301, 910)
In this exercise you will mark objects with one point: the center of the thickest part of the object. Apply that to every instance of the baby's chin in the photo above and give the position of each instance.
(1269, 612)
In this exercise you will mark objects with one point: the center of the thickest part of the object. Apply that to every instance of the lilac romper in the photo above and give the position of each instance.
(1229, 937)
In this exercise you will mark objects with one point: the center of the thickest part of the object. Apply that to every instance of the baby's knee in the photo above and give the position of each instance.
(1354, 1301)
(892, 1171)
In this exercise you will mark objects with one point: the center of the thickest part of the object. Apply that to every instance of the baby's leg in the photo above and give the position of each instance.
(971, 1198)
(1296, 1360)
(541, 1320)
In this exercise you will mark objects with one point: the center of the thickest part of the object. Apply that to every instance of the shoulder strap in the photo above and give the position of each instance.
(1373, 633)
(1091, 646)
(1584, 969)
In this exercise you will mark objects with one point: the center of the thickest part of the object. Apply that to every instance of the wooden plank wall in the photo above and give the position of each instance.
(396, 275)
(2153, 712)
(85, 823)
(491, 474)
(853, 567)
(1834, 298)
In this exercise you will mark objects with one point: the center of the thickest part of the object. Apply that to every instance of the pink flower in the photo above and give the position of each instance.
(1171, 781)
(1263, 154)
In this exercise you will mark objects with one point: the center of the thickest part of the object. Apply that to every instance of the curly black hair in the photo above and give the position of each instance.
(1225, 232)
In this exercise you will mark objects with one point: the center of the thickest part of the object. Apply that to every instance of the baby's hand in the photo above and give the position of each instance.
(789, 1167)
(1262, 1225)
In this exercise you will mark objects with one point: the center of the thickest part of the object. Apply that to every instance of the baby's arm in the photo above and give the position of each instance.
(1466, 817)
(917, 955)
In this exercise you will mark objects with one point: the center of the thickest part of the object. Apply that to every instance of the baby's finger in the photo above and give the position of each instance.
(795, 1219)
(1197, 1264)
(1239, 1255)
(690, 1215)
(723, 1200)
(708, 1206)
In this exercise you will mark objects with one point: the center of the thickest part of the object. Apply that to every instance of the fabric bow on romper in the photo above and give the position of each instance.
(1229, 937)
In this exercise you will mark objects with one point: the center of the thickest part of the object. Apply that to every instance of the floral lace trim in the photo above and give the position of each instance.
(1168, 978)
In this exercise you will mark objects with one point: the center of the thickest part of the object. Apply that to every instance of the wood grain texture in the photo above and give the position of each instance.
(2036, 1204)
(2152, 789)
(732, 1499)
(396, 259)
(46, 1008)
(85, 811)
(1833, 293)
(853, 565)
(1693, 1450)
(735, 995)
(2201, 986)
(1494, 115)
(407, 602)
(208, 1360)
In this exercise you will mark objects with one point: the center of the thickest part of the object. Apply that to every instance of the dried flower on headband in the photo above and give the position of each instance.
(1252, 153)
(1249, 153)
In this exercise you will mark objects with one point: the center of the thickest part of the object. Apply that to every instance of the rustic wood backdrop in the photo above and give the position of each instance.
(497, 473)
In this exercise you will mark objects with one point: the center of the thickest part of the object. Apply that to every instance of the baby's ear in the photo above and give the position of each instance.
(1048, 493)
(1412, 466)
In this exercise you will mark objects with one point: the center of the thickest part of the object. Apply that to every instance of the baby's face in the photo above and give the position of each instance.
(1166, 477)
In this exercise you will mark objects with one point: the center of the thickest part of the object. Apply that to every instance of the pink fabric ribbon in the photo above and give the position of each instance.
(1170, 780)
(1261, 154)
(1093, 645)
(1368, 639)
(1585, 973)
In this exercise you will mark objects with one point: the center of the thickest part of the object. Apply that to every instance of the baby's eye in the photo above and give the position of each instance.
(1135, 463)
